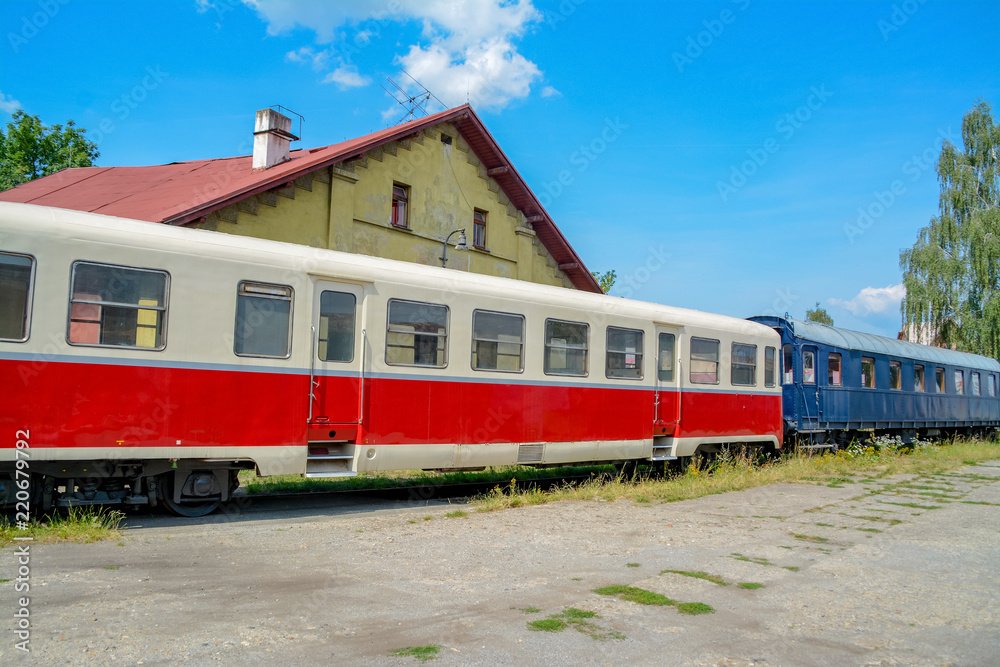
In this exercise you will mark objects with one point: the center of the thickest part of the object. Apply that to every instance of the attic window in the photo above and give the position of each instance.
(446, 139)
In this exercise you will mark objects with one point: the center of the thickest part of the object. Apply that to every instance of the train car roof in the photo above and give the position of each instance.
(865, 342)
(331, 264)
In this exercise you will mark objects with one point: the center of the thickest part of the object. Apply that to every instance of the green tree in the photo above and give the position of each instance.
(29, 149)
(951, 273)
(606, 280)
(819, 314)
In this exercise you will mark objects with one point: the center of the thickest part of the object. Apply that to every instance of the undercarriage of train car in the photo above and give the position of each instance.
(834, 439)
(188, 488)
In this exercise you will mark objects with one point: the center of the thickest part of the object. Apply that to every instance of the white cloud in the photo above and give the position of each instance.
(346, 77)
(549, 91)
(306, 55)
(873, 300)
(8, 104)
(469, 52)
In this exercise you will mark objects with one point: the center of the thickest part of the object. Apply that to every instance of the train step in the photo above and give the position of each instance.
(328, 458)
(663, 453)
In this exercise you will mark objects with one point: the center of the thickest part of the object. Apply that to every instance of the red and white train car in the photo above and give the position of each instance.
(143, 363)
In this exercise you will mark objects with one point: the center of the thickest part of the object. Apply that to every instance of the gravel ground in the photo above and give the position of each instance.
(895, 577)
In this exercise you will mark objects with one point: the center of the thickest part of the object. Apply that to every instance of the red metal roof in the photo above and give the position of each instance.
(182, 192)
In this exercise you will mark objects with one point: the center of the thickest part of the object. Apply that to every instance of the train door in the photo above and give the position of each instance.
(667, 401)
(337, 359)
(810, 386)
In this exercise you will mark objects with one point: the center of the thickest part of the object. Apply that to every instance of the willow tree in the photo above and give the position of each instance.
(952, 273)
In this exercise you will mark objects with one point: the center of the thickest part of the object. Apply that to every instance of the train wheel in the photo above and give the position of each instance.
(200, 492)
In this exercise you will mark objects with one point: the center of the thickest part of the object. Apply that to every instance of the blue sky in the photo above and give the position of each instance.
(735, 156)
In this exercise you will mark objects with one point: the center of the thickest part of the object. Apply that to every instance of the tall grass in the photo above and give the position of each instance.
(77, 524)
(735, 472)
(396, 479)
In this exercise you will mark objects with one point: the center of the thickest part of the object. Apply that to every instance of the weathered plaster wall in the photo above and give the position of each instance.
(349, 206)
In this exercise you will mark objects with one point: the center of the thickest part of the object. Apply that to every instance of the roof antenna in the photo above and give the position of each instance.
(413, 104)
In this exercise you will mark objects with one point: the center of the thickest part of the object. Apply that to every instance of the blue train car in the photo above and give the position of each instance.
(839, 385)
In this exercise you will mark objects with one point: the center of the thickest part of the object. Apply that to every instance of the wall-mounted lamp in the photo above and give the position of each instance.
(461, 245)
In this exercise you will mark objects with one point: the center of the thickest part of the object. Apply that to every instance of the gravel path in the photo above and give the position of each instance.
(903, 575)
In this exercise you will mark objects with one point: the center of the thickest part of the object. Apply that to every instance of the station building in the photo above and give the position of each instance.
(397, 193)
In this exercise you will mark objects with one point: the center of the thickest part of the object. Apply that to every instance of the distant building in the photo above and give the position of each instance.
(925, 333)
(396, 193)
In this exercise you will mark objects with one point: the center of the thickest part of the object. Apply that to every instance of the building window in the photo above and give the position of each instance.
(416, 334)
(939, 379)
(769, 359)
(895, 375)
(992, 385)
(959, 382)
(974, 382)
(479, 229)
(400, 206)
(566, 347)
(624, 353)
(16, 273)
(808, 367)
(497, 341)
(665, 372)
(743, 370)
(118, 306)
(868, 372)
(787, 371)
(834, 377)
(263, 320)
(704, 361)
(336, 326)
(918, 377)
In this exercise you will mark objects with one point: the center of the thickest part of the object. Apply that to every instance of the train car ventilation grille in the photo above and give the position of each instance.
(530, 453)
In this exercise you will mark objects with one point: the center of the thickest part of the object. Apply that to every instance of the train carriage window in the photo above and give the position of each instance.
(918, 377)
(743, 371)
(939, 380)
(336, 326)
(868, 372)
(992, 385)
(117, 306)
(566, 345)
(15, 296)
(665, 372)
(769, 359)
(704, 361)
(808, 367)
(497, 341)
(834, 374)
(417, 334)
(959, 382)
(624, 354)
(263, 320)
(787, 370)
(974, 382)
(895, 375)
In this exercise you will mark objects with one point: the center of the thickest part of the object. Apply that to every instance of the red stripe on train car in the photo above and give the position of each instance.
(95, 405)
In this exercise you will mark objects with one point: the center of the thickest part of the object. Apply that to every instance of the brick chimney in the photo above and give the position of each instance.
(272, 136)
